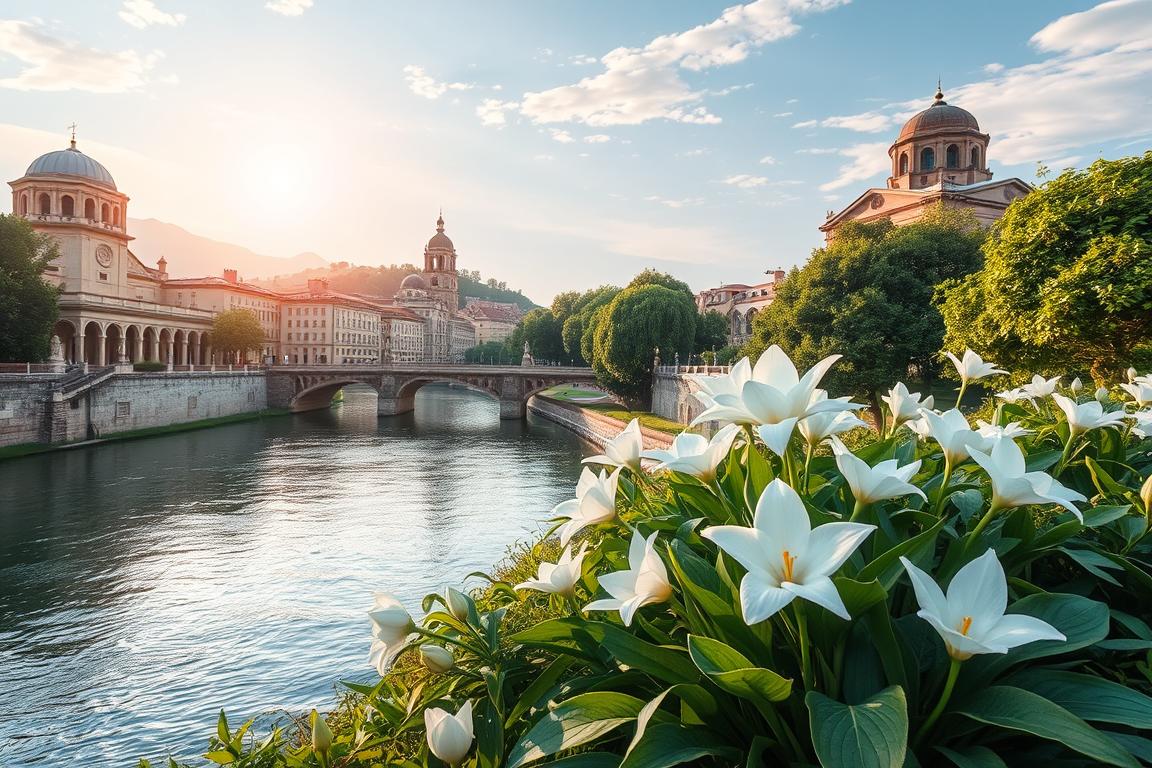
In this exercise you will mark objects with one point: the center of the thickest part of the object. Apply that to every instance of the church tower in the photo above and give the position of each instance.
(940, 144)
(440, 269)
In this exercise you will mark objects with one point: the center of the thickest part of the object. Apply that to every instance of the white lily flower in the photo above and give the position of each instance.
(952, 431)
(595, 502)
(1102, 395)
(920, 427)
(725, 384)
(1076, 385)
(886, 480)
(1011, 430)
(1014, 486)
(1141, 392)
(905, 405)
(644, 583)
(1013, 395)
(694, 454)
(1040, 386)
(818, 427)
(971, 618)
(1143, 426)
(558, 578)
(776, 392)
(391, 627)
(449, 736)
(1085, 416)
(786, 558)
(1131, 374)
(437, 658)
(972, 367)
(623, 450)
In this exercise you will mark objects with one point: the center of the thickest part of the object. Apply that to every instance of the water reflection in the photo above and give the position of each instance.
(144, 584)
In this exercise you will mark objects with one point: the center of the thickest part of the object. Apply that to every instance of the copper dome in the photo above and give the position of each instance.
(940, 116)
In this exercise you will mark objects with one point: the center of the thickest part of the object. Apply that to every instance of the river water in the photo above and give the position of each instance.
(146, 584)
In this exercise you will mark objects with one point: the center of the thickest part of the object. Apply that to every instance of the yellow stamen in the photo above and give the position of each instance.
(789, 560)
(965, 625)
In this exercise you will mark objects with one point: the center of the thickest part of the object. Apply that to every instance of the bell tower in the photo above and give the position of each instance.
(440, 268)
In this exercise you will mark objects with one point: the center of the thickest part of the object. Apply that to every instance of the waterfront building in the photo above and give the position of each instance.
(739, 304)
(493, 320)
(325, 327)
(219, 294)
(940, 156)
(403, 332)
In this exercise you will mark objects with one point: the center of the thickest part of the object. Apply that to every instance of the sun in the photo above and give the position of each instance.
(276, 179)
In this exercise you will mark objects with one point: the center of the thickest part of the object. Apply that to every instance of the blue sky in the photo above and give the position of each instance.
(570, 144)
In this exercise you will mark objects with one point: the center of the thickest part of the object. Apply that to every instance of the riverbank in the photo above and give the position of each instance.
(595, 425)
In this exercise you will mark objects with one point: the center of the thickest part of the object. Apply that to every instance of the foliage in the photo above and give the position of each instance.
(711, 332)
(542, 330)
(640, 320)
(691, 681)
(653, 277)
(471, 287)
(149, 366)
(1067, 280)
(235, 332)
(29, 307)
(868, 295)
(727, 355)
(492, 352)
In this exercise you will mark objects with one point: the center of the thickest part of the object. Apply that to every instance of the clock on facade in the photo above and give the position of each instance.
(104, 255)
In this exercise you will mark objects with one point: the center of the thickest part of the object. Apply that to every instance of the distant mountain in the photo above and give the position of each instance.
(191, 255)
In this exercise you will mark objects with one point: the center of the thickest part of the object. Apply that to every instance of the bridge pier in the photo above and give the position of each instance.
(394, 406)
(513, 409)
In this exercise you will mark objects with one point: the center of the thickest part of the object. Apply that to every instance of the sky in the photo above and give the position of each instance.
(569, 144)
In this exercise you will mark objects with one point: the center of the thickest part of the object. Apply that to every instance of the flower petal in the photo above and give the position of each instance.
(744, 545)
(829, 546)
(928, 593)
(822, 592)
(760, 598)
(1015, 629)
(978, 590)
(782, 518)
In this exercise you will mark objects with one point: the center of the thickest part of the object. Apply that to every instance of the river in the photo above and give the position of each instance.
(145, 584)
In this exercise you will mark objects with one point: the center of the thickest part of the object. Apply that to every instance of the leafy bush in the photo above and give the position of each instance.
(751, 600)
(149, 366)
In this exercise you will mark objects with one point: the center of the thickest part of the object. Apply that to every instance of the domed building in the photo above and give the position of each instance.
(939, 156)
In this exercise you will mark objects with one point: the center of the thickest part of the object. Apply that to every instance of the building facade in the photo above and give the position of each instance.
(493, 320)
(739, 304)
(939, 157)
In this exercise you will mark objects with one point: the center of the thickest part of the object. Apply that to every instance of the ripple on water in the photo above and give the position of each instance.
(145, 584)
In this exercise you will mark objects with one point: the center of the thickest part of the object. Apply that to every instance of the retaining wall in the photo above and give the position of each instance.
(594, 427)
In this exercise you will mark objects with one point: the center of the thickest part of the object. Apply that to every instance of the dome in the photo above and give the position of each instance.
(71, 162)
(440, 240)
(414, 282)
(940, 116)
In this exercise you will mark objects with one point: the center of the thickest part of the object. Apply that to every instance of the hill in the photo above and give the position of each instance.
(191, 255)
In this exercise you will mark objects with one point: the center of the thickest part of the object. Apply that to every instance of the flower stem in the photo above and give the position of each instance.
(1065, 454)
(943, 493)
(802, 641)
(949, 684)
(980, 526)
(960, 395)
(807, 461)
(857, 510)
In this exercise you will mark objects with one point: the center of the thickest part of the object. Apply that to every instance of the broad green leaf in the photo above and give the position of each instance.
(1089, 697)
(859, 596)
(585, 760)
(731, 671)
(220, 757)
(1019, 710)
(577, 721)
(887, 568)
(668, 744)
(1104, 481)
(668, 664)
(873, 734)
(973, 757)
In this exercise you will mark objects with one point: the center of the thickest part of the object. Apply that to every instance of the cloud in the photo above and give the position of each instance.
(783, 114)
(562, 136)
(542, 158)
(699, 152)
(52, 64)
(423, 84)
(144, 13)
(1084, 94)
(746, 181)
(817, 151)
(867, 160)
(768, 160)
(646, 83)
(597, 138)
(806, 124)
(993, 67)
(491, 111)
(288, 7)
(582, 59)
(671, 203)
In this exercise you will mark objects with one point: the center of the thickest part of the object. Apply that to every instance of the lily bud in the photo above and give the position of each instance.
(1076, 385)
(321, 734)
(437, 659)
(1132, 374)
(1146, 495)
(457, 604)
(1102, 395)
(449, 736)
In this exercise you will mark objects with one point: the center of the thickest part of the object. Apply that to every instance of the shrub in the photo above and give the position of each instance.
(750, 600)
(149, 366)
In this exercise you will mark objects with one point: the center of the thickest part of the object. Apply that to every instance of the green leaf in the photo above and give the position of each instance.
(1089, 697)
(1103, 481)
(668, 744)
(586, 760)
(222, 727)
(732, 672)
(887, 567)
(577, 721)
(973, 757)
(1019, 710)
(873, 734)
(220, 757)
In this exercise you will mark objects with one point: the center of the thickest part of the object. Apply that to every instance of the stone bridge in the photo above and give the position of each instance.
(306, 388)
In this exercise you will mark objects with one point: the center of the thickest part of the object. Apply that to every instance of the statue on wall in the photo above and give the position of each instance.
(527, 359)
(56, 350)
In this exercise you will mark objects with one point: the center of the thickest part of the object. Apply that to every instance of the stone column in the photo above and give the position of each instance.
(101, 351)
(80, 349)
(171, 351)
(138, 352)
(121, 357)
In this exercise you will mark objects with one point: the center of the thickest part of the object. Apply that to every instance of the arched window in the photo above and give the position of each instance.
(45, 205)
(104, 212)
(903, 163)
(23, 204)
(116, 216)
(952, 156)
(67, 206)
(927, 159)
(89, 208)
(975, 157)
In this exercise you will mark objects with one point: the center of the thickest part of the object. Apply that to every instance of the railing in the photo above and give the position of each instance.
(701, 370)
(29, 368)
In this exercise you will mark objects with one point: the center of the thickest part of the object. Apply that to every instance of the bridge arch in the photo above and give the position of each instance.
(314, 394)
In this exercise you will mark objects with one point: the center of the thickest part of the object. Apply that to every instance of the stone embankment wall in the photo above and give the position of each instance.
(672, 396)
(593, 427)
(33, 410)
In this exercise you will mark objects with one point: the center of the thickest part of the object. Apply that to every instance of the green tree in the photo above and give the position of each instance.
(575, 325)
(543, 333)
(711, 331)
(490, 352)
(236, 332)
(29, 306)
(868, 296)
(639, 320)
(652, 277)
(1067, 279)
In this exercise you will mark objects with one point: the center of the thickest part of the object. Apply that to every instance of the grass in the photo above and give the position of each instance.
(29, 449)
(647, 419)
(573, 394)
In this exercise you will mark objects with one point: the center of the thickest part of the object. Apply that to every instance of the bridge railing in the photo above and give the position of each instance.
(701, 370)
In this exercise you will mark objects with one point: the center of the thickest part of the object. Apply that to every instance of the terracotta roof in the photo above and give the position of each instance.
(941, 115)
(490, 312)
(218, 282)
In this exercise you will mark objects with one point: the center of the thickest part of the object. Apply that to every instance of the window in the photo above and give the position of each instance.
(45, 205)
(116, 216)
(67, 206)
(952, 156)
(89, 208)
(927, 159)
(104, 212)
(903, 163)
(123, 409)
(975, 157)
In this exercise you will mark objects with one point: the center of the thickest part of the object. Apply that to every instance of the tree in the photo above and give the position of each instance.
(652, 277)
(235, 332)
(1067, 279)
(868, 296)
(711, 331)
(542, 332)
(489, 352)
(629, 330)
(29, 306)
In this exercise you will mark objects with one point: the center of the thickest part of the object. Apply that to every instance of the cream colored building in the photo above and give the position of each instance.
(220, 294)
(323, 327)
(403, 335)
(940, 156)
(493, 321)
(739, 304)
